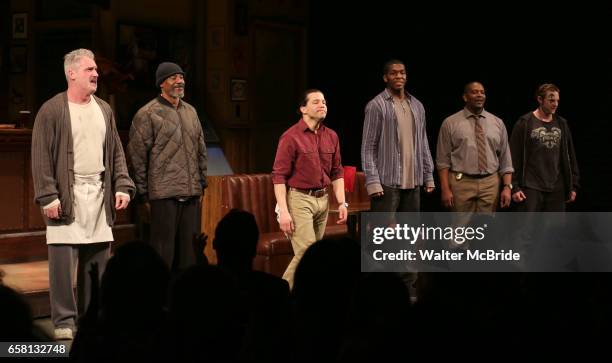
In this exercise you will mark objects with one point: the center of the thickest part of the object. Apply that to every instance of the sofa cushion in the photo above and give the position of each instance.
(275, 243)
(255, 193)
(274, 251)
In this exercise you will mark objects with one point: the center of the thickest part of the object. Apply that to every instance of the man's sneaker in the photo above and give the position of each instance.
(63, 334)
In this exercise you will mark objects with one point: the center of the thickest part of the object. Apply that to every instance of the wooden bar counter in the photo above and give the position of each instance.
(22, 229)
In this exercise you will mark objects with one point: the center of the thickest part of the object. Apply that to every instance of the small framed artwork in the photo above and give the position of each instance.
(20, 26)
(215, 80)
(18, 59)
(238, 89)
(216, 40)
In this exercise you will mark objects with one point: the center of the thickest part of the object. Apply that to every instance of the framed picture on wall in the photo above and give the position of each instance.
(238, 89)
(18, 59)
(20, 26)
(215, 80)
(216, 38)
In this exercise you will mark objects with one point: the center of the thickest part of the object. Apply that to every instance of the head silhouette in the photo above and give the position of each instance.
(236, 239)
(134, 285)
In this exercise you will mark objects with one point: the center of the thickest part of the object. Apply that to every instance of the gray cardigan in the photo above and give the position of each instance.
(53, 160)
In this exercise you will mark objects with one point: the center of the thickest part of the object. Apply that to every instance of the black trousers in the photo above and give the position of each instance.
(174, 225)
(538, 201)
(397, 200)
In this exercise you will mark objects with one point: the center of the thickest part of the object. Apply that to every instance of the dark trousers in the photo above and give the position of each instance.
(397, 200)
(64, 262)
(538, 201)
(173, 227)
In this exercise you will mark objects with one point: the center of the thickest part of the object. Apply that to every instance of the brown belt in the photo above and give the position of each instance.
(317, 193)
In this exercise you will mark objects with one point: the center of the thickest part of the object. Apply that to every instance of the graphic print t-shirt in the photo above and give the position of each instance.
(543, 155)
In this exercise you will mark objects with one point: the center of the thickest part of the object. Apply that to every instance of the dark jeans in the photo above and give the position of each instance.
(538, 201)
(397, 200)
(173, 227)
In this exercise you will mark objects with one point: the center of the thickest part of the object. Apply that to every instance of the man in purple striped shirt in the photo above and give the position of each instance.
(395, 152)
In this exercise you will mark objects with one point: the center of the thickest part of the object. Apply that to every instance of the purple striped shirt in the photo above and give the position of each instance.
(380, 148)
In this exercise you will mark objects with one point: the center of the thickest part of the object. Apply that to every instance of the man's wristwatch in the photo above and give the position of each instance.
(509, 186)
(345, 204)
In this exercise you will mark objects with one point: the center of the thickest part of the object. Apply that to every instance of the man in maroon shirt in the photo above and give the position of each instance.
(307, 161)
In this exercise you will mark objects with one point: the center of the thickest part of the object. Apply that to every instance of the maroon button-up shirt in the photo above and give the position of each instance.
(307, 160)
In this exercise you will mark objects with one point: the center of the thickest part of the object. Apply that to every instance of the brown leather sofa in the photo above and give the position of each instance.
(255, 193)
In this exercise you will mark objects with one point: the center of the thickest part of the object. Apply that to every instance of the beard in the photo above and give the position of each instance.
(177, 92)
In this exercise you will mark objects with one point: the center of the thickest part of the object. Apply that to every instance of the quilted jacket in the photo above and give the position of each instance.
(166, 152)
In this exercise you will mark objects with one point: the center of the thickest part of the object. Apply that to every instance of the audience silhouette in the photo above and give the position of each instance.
(16, 318)
(206, 317)
(232, 313)
(324, 284)
(132, 313)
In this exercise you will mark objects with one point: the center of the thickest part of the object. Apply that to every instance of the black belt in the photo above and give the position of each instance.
(473, 176)
(317, 193)
(185, 199)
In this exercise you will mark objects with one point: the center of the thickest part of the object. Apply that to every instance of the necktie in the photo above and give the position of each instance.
(480, 142)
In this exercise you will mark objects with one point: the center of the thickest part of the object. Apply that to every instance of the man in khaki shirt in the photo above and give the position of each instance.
(473, 155)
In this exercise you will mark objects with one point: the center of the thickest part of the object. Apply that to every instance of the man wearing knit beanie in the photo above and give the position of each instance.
(168, 161)
(165, 70)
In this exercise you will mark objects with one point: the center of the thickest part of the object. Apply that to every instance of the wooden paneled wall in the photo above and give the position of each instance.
(16, 192)
(212, 213)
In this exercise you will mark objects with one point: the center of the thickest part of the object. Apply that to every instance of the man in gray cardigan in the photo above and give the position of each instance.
(80, 180)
